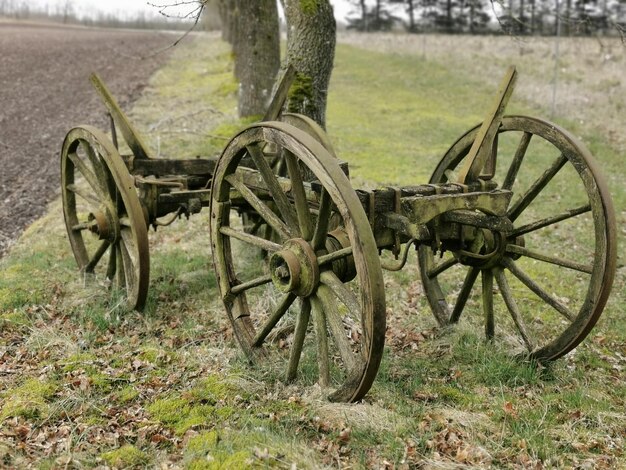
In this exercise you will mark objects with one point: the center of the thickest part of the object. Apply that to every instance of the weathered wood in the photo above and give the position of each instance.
(423, 209)
(166, 167)
(483, 147)
(132, 137)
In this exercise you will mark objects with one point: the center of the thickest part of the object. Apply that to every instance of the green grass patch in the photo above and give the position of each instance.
(127, 456)
(30, 400)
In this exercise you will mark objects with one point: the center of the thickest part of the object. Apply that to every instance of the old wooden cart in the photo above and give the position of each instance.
(296, 249)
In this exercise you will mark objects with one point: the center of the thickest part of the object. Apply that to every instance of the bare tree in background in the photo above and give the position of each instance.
(257, 54)
(68, 10)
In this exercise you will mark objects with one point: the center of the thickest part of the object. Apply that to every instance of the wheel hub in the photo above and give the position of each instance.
(483, 249)
(103, 226)
(344, 268)
(294, 268)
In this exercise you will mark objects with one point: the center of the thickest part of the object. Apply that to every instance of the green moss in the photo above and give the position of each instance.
(127, 394)
(300, 92)
(78, 361)
(212, 390)
(181, 415)
(29, 400)
(169, 410)
(309, 7)
(127, 456)
(203, 442)
(206, 451)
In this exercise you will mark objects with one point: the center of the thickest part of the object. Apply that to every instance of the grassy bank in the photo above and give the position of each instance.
(86, 382)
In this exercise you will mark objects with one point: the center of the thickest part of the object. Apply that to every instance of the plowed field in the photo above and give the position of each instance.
(45, 90)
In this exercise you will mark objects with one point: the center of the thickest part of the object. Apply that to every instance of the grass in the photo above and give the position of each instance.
(101, 385)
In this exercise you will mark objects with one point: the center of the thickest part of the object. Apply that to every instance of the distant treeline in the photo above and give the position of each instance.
(519, 17)
(66, 12)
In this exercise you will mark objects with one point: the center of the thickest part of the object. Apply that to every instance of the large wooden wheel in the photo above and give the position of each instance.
(103, 216)
(545, 284)
(316, 309)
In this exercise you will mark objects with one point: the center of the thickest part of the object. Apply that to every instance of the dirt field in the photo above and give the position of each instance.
(44, 91)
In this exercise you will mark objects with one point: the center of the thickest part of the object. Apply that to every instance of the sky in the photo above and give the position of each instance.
(121, 8)
(130, 8)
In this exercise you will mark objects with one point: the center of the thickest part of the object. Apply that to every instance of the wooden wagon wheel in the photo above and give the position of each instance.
(103, 215)
(332, 280)
(555, 270)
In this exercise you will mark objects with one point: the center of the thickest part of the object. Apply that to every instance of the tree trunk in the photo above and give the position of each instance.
(364, 22)
(311, 37)
(228, 18)
(257, 53)
(411, 10)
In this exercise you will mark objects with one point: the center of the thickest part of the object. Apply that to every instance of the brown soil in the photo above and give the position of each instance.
(45, 90)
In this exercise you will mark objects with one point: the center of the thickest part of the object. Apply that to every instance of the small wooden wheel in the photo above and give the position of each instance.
(103, 216)
(329, 278)
(554, 271)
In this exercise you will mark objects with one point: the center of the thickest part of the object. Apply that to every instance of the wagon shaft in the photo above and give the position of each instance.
(132, 137)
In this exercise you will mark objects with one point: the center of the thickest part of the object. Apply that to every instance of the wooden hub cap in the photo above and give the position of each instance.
(294, 268)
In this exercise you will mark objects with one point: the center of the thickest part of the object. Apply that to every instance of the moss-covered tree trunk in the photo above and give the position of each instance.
(311, 37)
(257, 53)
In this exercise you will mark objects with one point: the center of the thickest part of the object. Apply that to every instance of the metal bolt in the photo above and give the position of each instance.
(282, 272)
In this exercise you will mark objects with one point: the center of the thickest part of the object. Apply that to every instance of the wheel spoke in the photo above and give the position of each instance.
(539, 224)
(299, 196)
(129, 244)
(512, 307)
(344, 294)
(336, 327)
(129, 251)
(274, 318)
(323, 219)
(520, 250)
(522, 203)
(302, 323)
(466, 289)
(257, 225)
(251, 239)
(244, 286)
(487, 286)
(533, 286)
(89, 175)
(111, 268)
(261, 208)
(119, 267)
(89, 197)
(511, 174)
(319, 324)
(97, 256)
(441, 267)
(84, 225)
(105, 178)
(283, 204)
(334, 256)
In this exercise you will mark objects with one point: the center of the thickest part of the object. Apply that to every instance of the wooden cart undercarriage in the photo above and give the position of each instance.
(296, 248)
